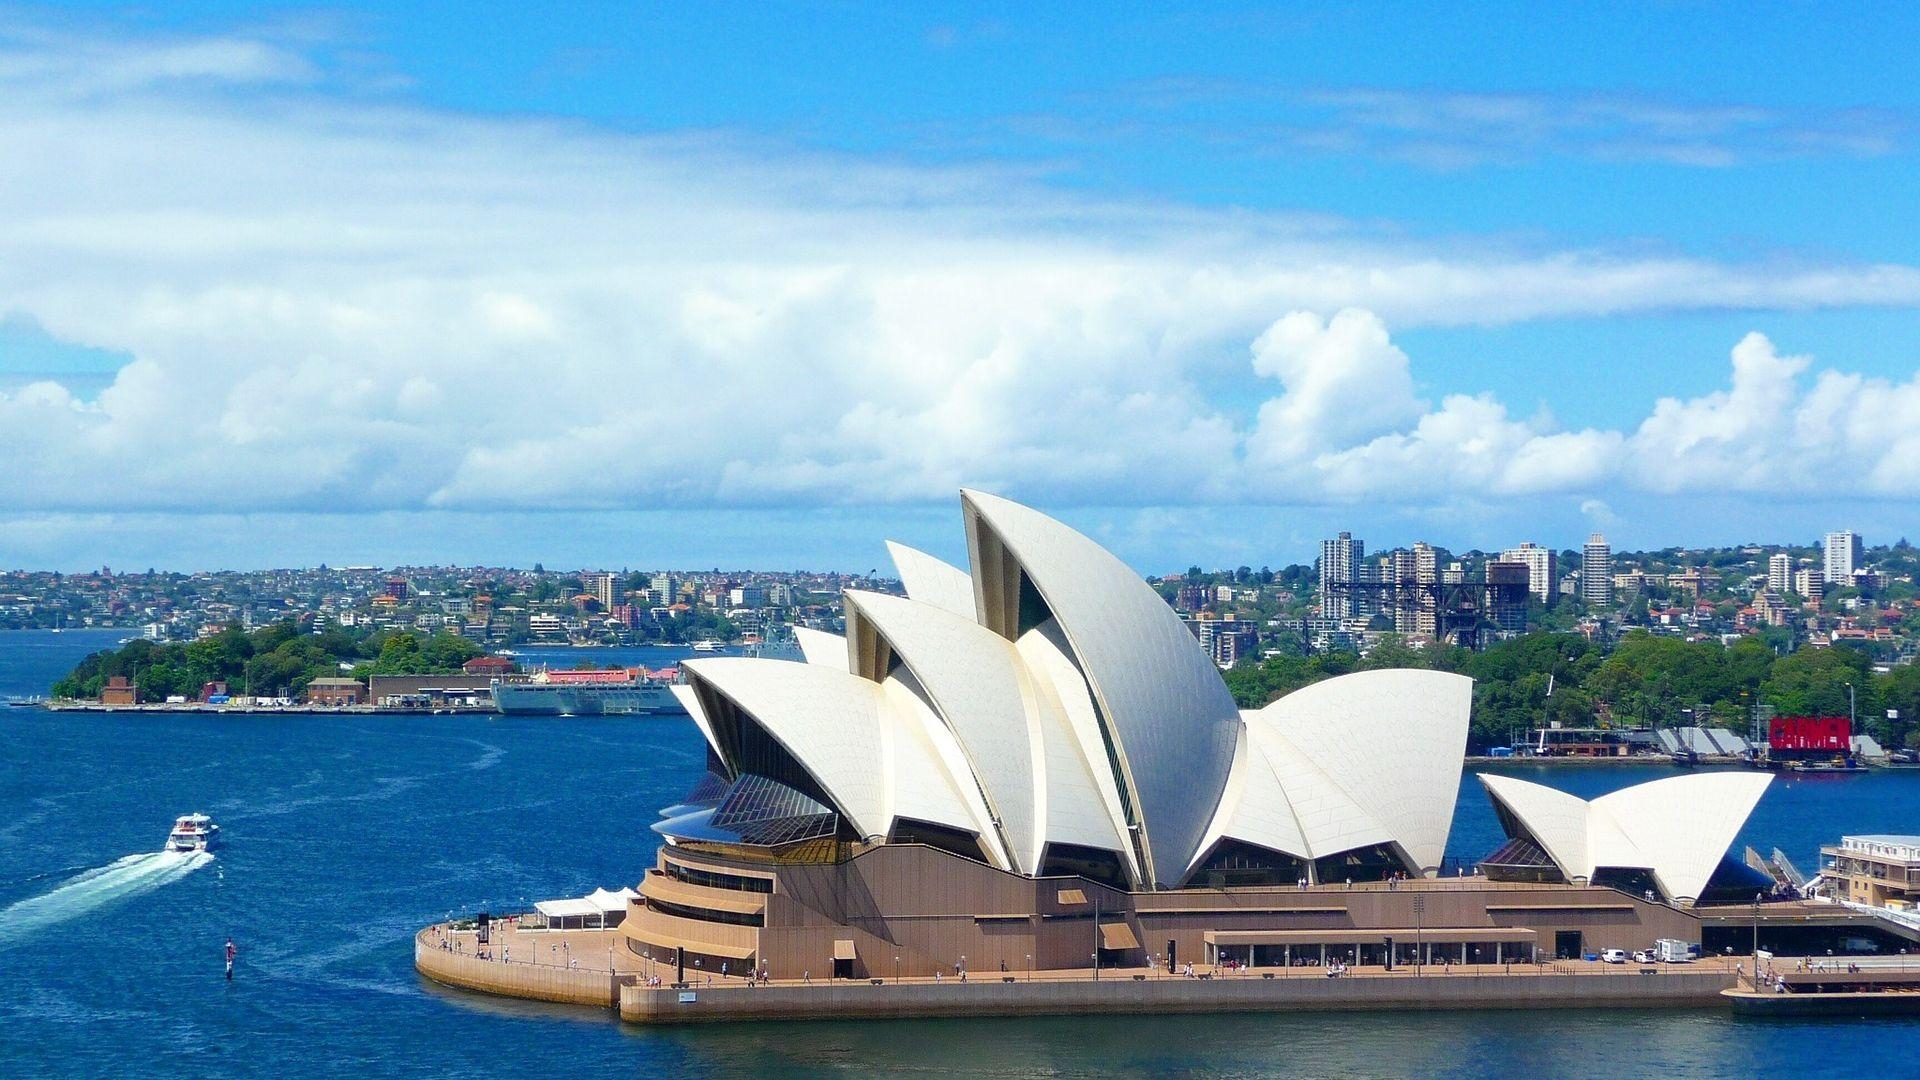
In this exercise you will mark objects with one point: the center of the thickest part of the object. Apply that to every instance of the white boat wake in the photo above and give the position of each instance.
(95, 889)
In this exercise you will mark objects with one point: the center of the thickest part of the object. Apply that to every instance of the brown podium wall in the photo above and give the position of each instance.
(930, 908)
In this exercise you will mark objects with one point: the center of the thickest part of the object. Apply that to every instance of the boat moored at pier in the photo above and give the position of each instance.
(611, 692)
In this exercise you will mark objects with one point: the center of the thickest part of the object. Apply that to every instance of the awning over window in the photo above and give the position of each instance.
(1117, 935)
(843, 949)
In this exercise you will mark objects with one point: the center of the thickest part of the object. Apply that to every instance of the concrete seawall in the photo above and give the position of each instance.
(641, 1004)
(533, 981)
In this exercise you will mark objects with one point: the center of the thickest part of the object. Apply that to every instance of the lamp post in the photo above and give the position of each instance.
(1096, 936)
(896, 968)
(1419, 937)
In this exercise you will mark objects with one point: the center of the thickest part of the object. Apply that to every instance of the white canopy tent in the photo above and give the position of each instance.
(600, 908)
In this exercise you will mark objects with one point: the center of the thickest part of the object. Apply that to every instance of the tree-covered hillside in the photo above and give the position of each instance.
(280, 659)
(1645, 680)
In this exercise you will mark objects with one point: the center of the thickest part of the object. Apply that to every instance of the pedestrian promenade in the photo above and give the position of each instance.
(591, 967)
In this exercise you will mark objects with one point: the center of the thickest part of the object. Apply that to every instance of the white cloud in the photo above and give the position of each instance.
(366, 306)
(1455, 129)
(1344, 381)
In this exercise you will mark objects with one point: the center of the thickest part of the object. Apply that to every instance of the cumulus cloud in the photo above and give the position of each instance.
(348, 305)
(1345, 381)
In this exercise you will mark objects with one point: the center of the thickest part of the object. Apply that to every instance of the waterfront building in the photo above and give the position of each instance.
(120, 690)
(1843, 554)
(1878, 870)
(1780, 572)
(1034, 765)
(1543, 569)
(1596, 572)
(336, 692)
(1340, 560)
(429, 691)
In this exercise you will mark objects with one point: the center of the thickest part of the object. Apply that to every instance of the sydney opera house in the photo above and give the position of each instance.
(1032, 765)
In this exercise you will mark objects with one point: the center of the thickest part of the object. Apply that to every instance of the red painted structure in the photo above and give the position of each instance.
(1809, 735)
(603, 675)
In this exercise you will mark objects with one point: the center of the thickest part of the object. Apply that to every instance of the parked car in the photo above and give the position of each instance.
(1613, 956)
(1644, 956)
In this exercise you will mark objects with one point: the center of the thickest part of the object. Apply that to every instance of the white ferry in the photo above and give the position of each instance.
(193, 832)
(613, 692)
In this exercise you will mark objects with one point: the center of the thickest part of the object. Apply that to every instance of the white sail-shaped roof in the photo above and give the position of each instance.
(1255, 808)
(820, 647)
(1679, 828)
(827, 720)
(1167, 714)
(863, 743)
(1685, 824)
(1052, 701)
(1556, 820)
(974, 679)
(1361, 760)
(1077, 800)
(690, 701)
(931, 581)
(1393, 741)
(928, 778)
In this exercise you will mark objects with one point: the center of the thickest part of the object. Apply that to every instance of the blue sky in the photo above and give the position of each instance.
(625, 285)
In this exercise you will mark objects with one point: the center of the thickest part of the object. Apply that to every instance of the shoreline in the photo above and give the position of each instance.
(1116, 991)
(204, 708)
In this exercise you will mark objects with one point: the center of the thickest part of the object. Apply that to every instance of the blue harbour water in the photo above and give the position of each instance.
(344, 834)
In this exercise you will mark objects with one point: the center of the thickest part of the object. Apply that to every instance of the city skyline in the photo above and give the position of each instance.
(284, 287)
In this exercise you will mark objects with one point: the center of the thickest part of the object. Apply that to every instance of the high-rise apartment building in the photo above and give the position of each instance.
(662, 589)
(1543, 568)
(1596, 572)
(1809, 583)
(1780, 573)
(599, 585)
(1403, 569)
(1426, 570)
(1844, 554)
(1340, 560)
